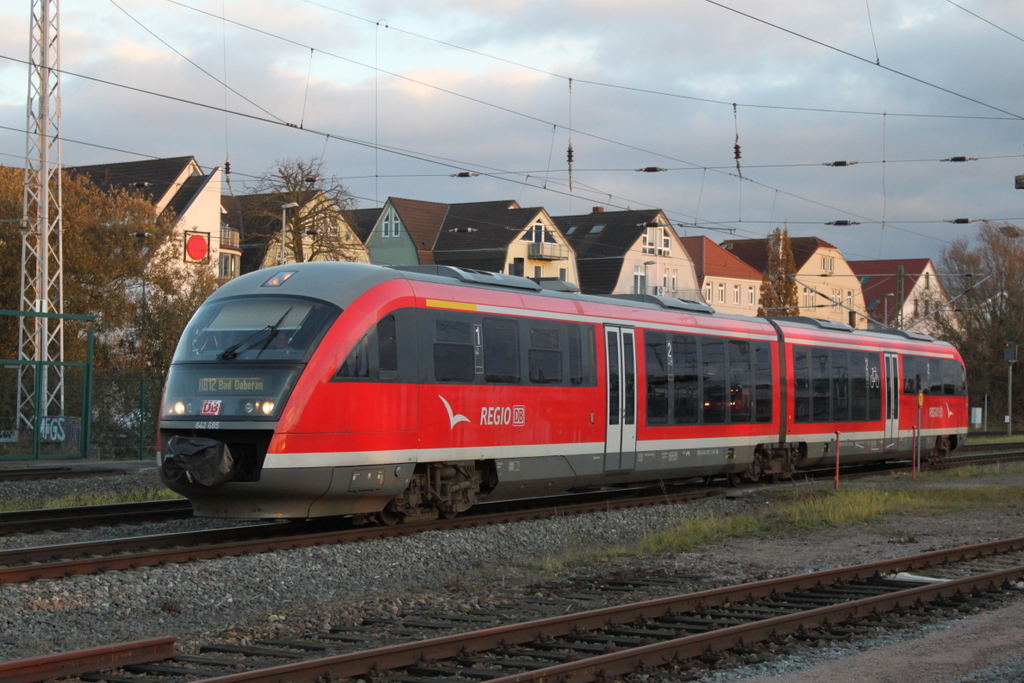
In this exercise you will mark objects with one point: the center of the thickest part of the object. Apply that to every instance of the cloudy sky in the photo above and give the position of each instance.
(398, 96)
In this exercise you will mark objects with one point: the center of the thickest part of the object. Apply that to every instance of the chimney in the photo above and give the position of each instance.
(598, 209)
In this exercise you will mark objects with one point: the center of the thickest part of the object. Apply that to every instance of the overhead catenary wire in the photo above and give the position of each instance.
(602, 138)
(327, 137)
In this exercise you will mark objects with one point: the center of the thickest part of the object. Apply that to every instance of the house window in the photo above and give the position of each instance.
(721, 292)
(639, 280)
(750, 296)
(808, 298)
(562, 274)
(649, 241)
(228, 266)
(837, 299)
(707, 292)
(849, 298)
(736, 294)
(537, 233)
(656, 241)
(537, 272)
(828, 264)
(390, 223)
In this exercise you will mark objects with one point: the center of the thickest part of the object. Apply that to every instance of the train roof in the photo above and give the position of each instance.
(341, 283)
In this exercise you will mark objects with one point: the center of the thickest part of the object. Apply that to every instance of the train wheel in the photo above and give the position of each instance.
(733, 479)
(389, 517)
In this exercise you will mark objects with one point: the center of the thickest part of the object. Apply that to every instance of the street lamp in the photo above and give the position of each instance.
(284, 209)
(887, 308)
(648, 263)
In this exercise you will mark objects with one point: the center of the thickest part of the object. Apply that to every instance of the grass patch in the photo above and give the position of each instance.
(972, 439)
(971, 471)
(138, 495)
(805, 510)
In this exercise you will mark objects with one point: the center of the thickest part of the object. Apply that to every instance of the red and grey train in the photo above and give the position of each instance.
(324, 389)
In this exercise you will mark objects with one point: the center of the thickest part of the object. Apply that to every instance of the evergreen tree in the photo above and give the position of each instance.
(778, 289)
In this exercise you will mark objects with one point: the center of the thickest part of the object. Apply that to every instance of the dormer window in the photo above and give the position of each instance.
(390, 225)
(537, 233)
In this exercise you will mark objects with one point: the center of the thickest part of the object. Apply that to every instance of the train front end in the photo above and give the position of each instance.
(232, 374)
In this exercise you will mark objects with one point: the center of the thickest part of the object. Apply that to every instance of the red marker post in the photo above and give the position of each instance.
(915, 452)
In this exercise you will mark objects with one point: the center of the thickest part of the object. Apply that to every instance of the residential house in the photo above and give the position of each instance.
(179, 185)
(403, 232)
(630, 252)
(325, 233)
(906, 305)
(826, 285)
(497, 236)
(729, 284)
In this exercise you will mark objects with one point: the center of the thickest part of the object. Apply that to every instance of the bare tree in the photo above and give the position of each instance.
(317, 228)
(988, 312)
(778, 288)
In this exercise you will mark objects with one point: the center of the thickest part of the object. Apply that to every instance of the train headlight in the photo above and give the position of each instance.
(179, 408)
(249, 407)
(267, 407)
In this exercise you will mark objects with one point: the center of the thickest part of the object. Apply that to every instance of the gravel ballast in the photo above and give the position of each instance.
(287, 593)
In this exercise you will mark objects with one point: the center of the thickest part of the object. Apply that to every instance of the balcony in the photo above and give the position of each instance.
(542, 251)
(229, 238)
(672, 293)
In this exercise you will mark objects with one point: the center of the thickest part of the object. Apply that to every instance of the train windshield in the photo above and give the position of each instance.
(272, 329)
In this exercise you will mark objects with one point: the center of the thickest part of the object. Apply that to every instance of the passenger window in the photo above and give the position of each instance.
(685, 395)
(387, 345)
(501, 350)
(840, 386)
(740, 393)
(713, 366)
(545, 355)
(763, 381)
(453, 351)
(656, 354)
(801, 384)
(858, 386)
(357, 363)
(581, 355)
(819, 385)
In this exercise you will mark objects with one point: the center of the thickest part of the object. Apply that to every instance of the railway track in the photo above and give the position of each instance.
(53, 519)
(36, 472)
(678, 635)
(26, 564)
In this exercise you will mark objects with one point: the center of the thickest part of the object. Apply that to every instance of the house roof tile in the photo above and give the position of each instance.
(709, 259)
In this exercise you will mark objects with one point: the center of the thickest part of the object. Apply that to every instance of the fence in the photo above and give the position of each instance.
(107, 414)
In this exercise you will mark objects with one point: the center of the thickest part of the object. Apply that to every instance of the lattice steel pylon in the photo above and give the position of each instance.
(42, 251)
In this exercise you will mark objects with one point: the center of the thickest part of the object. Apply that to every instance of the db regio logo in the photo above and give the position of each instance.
(503, 415)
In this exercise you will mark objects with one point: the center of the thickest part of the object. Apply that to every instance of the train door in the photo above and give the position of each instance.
(620, 439)
(892, 401)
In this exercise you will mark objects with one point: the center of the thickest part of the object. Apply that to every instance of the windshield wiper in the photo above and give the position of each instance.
(273, 332)
(231, 352)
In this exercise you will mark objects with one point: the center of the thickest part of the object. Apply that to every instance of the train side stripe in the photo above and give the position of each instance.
(451, 305)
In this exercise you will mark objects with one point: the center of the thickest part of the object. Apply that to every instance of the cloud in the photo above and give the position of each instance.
(653, 85)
